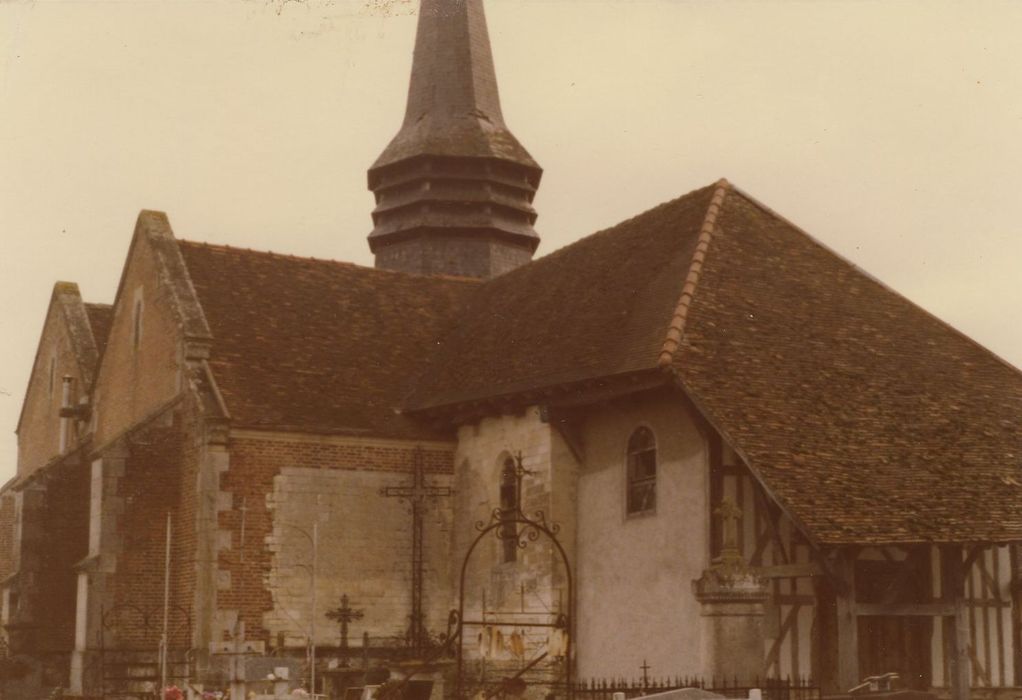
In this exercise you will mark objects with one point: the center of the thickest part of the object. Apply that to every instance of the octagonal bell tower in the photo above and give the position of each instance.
(454, 188)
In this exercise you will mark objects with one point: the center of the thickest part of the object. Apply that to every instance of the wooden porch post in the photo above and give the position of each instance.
(847, 621)
(956, 628)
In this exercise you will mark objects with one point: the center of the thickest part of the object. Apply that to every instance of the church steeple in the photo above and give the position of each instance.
(454, 188)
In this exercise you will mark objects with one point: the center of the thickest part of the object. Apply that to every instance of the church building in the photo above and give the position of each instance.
(696, 441)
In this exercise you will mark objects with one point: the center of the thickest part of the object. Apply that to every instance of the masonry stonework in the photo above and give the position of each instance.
(534, 586)
(364, 551)
(144, 353)
(279, 486)
(40, 424)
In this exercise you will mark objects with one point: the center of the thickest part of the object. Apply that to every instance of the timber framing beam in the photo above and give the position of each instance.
(956, 627)
(847, 619)
(934, 609)
(789, 570)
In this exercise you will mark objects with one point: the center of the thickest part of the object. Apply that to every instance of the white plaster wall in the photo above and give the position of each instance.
(635, 596)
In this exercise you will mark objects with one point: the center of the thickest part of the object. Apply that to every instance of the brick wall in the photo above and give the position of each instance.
(7, 514)
(278, 487)
(150, 487)
(64, 542)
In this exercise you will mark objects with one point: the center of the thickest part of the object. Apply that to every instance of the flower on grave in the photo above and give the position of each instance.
(173, 693)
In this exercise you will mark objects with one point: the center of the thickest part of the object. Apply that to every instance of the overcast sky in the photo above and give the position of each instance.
(891, 131)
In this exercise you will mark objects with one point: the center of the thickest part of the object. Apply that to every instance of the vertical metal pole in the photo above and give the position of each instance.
(312, 620)
(166, 611)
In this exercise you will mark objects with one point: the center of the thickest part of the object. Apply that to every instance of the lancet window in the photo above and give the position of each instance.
(508, 507)
(641, 472)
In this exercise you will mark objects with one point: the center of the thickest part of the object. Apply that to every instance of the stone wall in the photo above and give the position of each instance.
(39, 427)
(138, 376)
(533, 587)
(278, 485)
(364, 551)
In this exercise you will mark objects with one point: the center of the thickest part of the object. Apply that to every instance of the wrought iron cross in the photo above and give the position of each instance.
(343, 616)
(417, 494)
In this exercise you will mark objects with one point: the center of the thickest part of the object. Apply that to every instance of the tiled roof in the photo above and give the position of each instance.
(101, 316)
(596, 308)
(316, 346)
(867, 418)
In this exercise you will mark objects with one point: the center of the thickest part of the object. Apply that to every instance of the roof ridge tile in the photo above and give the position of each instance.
(312, 259)
(677, 325)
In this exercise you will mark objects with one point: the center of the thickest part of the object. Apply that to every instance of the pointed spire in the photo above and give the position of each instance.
(453, 105)
(454, 187)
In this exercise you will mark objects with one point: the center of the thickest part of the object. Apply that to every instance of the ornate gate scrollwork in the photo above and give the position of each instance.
(512, 524)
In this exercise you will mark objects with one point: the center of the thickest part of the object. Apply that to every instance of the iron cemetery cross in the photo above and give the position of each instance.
(417, 494)
(344, 615)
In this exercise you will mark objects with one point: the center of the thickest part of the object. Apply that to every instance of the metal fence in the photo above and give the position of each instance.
(771, 688)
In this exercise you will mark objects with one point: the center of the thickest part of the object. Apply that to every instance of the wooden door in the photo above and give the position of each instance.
(899, 644)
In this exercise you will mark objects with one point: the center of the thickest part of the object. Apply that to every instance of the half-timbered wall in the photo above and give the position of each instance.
(771, 543)
(769, 539)
(992, 624)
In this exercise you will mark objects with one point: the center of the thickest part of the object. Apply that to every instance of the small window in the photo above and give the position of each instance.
(136, 333)
(508, 507)
(53, 374)
(641, 472)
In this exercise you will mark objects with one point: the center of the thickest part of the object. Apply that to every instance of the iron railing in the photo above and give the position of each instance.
(771, 688)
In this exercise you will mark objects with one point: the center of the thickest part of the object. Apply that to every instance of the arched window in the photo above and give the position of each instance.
(508, 507)
(136, 334)
(641, 472)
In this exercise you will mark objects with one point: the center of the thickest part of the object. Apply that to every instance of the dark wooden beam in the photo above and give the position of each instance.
(1016, 600)
(789, 571)
(971, 558)
(590, 392)
(847, 620)
(956, 627)
(936, 609)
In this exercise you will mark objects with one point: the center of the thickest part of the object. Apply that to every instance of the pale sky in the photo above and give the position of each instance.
(890, 131)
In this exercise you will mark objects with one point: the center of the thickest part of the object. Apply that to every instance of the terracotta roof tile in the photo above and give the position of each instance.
(866, 417)
(599, 307)
(317, 346)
